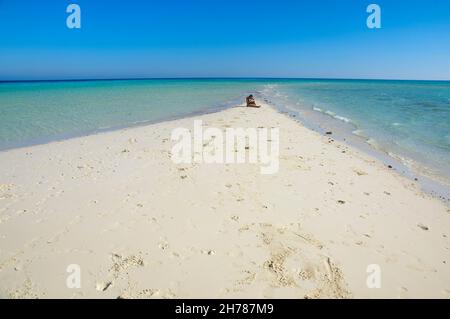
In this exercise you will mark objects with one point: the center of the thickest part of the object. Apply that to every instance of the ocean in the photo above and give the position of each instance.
(408, 120)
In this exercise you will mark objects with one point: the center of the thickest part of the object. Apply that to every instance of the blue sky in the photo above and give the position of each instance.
(224, 38)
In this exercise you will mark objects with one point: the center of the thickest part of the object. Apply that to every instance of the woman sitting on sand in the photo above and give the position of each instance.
(251, 101)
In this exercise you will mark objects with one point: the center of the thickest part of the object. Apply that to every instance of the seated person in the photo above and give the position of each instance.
(251, 101)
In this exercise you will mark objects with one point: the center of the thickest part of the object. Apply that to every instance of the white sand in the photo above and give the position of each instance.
(116, 205)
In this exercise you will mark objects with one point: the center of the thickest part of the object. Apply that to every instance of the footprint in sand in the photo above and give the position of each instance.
(359, 172)
(26, 291)
(120, 268)
(235, 218)
(296, 260)
(122, 264)
(208, 252)
(5, 187)
(163, 245)
(143, 294)
(103, 286)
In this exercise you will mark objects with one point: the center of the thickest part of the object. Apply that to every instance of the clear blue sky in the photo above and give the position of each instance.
(224, 38)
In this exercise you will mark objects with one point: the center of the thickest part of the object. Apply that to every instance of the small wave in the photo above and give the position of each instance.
(317, 109)
(373, 143)
(334, 115)
(140, 122)
(413, 165)
(359, 133)
(405, 161)
(346, 120)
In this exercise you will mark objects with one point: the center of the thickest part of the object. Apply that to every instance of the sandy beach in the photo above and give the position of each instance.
(140, 226)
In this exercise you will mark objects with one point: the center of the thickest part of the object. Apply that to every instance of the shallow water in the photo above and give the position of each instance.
(36, 111)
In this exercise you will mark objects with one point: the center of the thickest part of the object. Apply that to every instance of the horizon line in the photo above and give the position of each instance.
(219, 78)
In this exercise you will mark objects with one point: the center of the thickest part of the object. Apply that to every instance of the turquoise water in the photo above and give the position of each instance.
(409, 120)
(31, 112)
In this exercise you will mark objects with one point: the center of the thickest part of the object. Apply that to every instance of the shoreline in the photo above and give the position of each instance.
(68, 136)
(432, 186)
(111, 203)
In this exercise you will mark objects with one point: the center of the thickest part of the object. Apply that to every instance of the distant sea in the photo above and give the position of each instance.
(409, 120)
